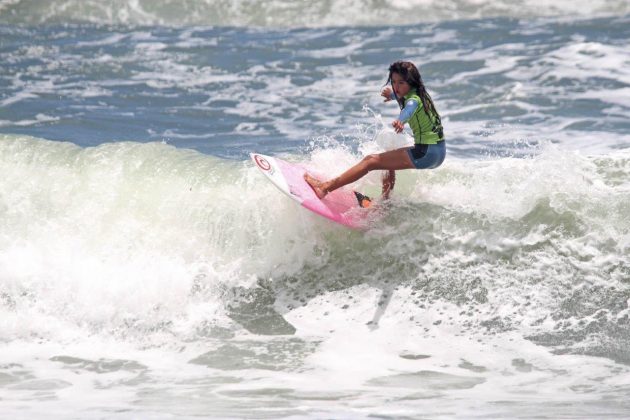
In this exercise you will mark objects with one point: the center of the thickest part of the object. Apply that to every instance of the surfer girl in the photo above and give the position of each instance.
(418, 111)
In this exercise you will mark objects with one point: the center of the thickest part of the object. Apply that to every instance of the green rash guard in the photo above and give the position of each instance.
(426, 129)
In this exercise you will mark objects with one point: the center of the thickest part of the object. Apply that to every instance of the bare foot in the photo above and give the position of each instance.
(316, 185)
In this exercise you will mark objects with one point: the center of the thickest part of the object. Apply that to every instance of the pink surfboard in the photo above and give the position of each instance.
(341, 206)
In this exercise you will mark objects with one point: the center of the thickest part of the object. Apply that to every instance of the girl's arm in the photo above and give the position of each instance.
(408, 110)
(405, 114)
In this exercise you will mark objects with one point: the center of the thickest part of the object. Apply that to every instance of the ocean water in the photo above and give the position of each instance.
(148, 270)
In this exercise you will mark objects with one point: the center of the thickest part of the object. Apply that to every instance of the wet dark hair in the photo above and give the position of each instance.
(409, 72)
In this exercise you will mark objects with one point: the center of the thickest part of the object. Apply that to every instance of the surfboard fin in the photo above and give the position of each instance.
(364, 200)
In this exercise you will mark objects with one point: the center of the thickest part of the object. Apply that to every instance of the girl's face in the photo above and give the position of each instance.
(400, 85)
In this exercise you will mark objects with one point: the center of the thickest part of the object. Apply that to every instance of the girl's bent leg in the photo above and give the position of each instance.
(391, 160)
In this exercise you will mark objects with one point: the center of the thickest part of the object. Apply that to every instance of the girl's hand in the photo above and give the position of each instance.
(398, 126)
(387, 94)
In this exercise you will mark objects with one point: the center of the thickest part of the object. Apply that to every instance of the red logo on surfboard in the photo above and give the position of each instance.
(262, 163)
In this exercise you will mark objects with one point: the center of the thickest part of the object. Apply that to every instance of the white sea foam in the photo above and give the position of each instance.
(148, 214)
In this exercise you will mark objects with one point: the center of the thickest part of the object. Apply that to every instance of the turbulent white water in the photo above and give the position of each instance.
(161, 232)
